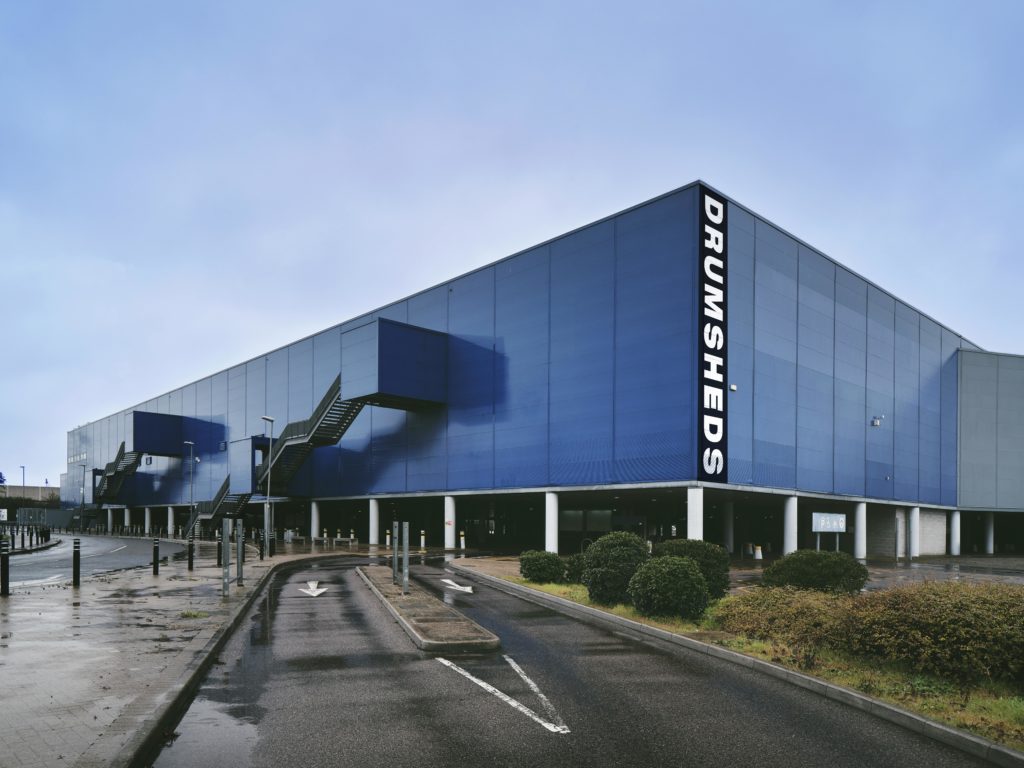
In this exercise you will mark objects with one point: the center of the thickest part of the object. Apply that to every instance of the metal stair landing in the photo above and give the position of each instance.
(115, 473)
(224, 504)
(329, 422)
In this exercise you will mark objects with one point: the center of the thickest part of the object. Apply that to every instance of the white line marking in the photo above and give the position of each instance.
(548, 706)
(553, 727)
(100, 554)
(37, 582)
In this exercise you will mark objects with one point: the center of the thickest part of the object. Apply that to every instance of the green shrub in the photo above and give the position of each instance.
(574, 565)
(541, 567)
(712, 560)
(824, 571)
(800, 618)
(961, 631)
(669, 586)
(608, 565)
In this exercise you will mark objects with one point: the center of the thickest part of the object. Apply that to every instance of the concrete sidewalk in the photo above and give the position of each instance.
(89, 674)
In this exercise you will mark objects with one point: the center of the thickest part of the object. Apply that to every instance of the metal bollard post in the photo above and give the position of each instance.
(394, 552)
(220, 553)
(259, 542)
(76, 563)
(191, 550)
(405, 558)
(423, 539)
(156, 557)
(22, 538)
(240, 544)
(5, 570)
(226, 541)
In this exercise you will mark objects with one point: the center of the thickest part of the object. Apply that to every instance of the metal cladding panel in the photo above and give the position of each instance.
(979, 423)
(156, 433)
(775, 357)
(359, 366)
(906, 404)
(241, 462)
(850, 394)
(521, 288)
(581, 388)
(654, 341)
(412, 362)
(929, 453)
(471, 381)
(816, 308)
(991, 444)
(879, 378)
(741, 236)
(950, 345)
(299, 386)
(1010, 437)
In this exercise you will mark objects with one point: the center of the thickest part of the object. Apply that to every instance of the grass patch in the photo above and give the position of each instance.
(195, 615)
(991, 709)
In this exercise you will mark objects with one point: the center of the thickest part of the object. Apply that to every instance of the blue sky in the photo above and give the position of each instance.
(170, 175)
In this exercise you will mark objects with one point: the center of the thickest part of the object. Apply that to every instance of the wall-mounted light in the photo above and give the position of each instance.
(876, 421)
(732, 387)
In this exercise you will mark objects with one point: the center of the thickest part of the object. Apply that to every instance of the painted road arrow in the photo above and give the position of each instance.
(449, 584)
(313, 591)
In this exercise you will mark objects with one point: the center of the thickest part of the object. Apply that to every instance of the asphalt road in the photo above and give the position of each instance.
(332, 680)
(100, 554)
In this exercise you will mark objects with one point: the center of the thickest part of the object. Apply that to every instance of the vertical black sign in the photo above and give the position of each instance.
(712, 382)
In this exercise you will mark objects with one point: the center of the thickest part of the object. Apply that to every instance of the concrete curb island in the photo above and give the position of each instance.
(972, 745)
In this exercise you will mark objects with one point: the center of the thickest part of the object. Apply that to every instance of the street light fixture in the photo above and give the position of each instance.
(22, 479)
(268, 509)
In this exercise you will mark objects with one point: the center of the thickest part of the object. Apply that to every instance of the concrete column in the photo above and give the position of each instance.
(789, 526)
(314, 519)
(551, 522)
(695, 513)
(914, 533)
(990, 533)
(127, 517)
(860, 530)
(449, 522)
(374, 521)
(148, 520)
(170, 522)
(728, 526)
(954, 533)
(110, 521)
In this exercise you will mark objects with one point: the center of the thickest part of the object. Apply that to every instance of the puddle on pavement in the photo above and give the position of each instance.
(211, 734)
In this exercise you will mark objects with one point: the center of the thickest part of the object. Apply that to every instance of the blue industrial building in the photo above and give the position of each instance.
(681, 368)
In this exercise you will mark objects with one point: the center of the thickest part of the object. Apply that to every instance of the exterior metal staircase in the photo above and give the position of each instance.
(123, 465)
(332, 417)
(224, 504)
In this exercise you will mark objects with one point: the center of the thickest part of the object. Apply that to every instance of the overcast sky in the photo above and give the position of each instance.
(186, 185)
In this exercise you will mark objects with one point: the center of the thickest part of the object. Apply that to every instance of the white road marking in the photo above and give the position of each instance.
(100, 554)
(36, 582)
(559, 727)
(449, 584)
(548, 706)
(313, 591)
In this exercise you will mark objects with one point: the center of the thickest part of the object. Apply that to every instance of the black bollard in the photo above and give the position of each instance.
(5, 570)
(76, 564)
(23, 538)
(259, 544)
(156, 557)
(219, 553)
(191, 551)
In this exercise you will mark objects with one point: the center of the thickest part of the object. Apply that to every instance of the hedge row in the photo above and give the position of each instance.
(963, 631)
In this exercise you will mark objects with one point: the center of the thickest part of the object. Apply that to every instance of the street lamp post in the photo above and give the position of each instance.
(23, 480)
(191, 499)
(81, 514)
(268, 509)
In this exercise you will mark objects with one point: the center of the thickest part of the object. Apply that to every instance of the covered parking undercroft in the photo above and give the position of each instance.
(568, 520)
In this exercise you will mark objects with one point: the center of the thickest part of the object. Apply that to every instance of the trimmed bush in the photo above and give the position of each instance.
(823, 571)
(962, 631)
(712, 560)
(574, 565)
(541, 567)
(801, 618)
(669, 586)
(608, 565)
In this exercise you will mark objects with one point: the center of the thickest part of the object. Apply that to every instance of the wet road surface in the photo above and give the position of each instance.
(332, 680)
(100, 554)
